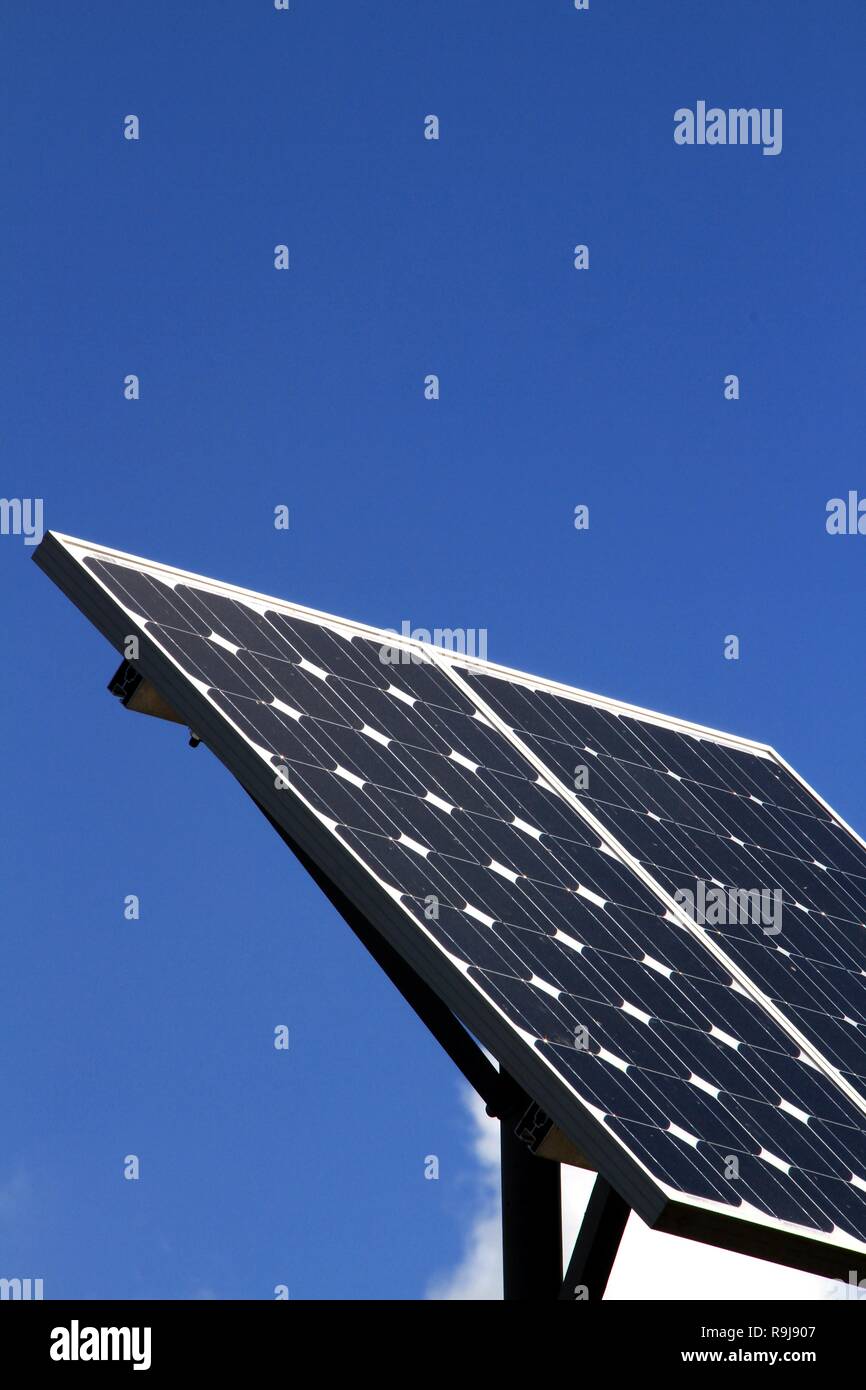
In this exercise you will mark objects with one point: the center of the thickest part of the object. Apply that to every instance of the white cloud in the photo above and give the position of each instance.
(649, 1265)
(478, 1273)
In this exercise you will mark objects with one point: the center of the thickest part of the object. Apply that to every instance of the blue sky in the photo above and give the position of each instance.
(305, 388)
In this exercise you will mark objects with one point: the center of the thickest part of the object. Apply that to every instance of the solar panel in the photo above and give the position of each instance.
(529, 851)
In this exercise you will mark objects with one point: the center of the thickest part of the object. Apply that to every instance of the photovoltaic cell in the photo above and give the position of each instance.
(694, 811)
(684, 824)
(418, 769)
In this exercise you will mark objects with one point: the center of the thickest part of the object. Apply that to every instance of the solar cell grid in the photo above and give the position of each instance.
(453, 852)
(661, 1044)
(815, 966)
(690, 834)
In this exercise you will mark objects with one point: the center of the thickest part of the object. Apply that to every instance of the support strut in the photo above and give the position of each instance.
(596, 1245)
(531, 1220)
